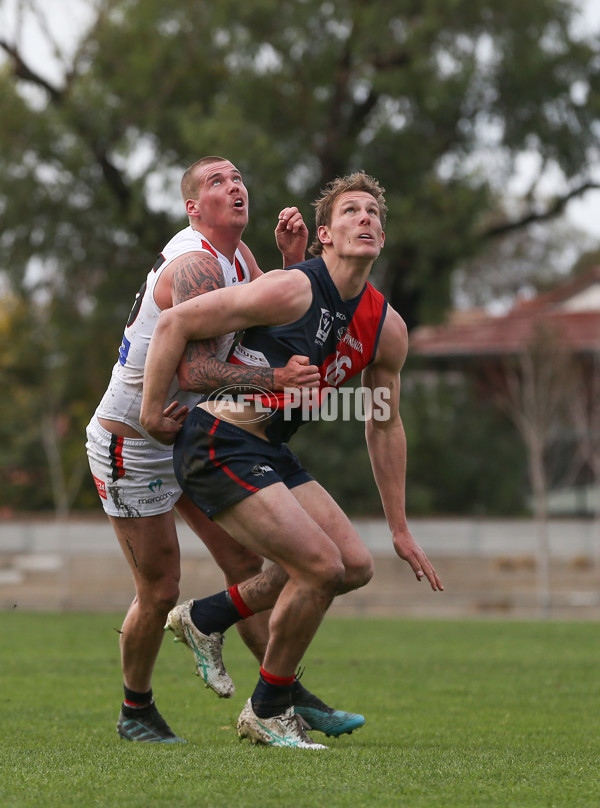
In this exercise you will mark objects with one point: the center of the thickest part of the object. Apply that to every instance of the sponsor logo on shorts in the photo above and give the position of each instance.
(150, 500)
(101, 486)
(155, 485)
(260, 469)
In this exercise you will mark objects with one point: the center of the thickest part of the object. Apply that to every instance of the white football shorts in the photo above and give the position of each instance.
(132, 477)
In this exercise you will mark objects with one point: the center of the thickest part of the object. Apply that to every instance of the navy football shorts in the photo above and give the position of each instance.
(218, 463)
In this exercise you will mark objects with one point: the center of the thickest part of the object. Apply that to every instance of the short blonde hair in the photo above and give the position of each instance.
(189, 182)
(359, 181)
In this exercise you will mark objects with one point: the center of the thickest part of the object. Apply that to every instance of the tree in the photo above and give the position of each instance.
(295, 92)
(520, 264)
(535, 389)
(584, 414)
(464, 458)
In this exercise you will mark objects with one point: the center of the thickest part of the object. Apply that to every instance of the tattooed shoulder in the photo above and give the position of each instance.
(195, 273)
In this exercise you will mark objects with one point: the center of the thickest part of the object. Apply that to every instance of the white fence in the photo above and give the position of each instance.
(488, 567)
(569, 538)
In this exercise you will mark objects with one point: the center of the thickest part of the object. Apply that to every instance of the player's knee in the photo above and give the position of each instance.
(359, 572)
(331, 575)
(165, 597)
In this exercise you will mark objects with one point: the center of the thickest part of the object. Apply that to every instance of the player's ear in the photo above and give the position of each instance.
(191, 207)
(323, 234)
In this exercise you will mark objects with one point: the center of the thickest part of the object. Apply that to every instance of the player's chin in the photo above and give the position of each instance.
(368, 249)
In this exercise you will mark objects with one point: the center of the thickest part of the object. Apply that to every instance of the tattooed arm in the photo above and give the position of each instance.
(199, 369)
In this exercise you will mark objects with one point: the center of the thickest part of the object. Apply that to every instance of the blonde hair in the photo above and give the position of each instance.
(359, 181)
(189, 182)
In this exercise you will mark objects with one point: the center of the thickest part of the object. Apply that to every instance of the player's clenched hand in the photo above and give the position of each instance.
(408, 550)
(291, 235)
(297, 373)
(165, 428)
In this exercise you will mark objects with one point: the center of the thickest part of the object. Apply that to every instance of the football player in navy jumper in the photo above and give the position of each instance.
(325, 309)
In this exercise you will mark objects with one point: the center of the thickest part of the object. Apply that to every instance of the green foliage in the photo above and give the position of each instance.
(461, 714)
(21, 372)
(335, 453)
(294, 93)
(464, 456)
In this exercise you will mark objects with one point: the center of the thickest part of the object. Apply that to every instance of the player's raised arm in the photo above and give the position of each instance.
(274, 299)
(386, 442)
(291, 235)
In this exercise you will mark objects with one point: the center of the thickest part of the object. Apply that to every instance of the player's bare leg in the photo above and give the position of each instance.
(237, 564)
(260, 593)
(272, 523)
(357, 560)
(358, 571)
(152, 551)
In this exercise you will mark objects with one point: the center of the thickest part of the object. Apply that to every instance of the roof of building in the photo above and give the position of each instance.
(571, 311)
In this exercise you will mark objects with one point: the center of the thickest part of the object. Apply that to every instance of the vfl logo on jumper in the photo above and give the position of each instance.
(324, 326)
(260, 469)
(155, 485)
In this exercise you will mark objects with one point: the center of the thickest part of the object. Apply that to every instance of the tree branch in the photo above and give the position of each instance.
(391, 61)
(22, 71)
(113, 177)
(553, 210)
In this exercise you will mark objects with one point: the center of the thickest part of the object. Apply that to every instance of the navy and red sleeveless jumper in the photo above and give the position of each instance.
(339, 336)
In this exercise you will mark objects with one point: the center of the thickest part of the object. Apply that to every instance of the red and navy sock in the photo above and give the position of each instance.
(134, 702)
(272, 694)
(219, 612)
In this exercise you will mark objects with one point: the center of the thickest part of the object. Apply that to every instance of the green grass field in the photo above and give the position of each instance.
(461, 714)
